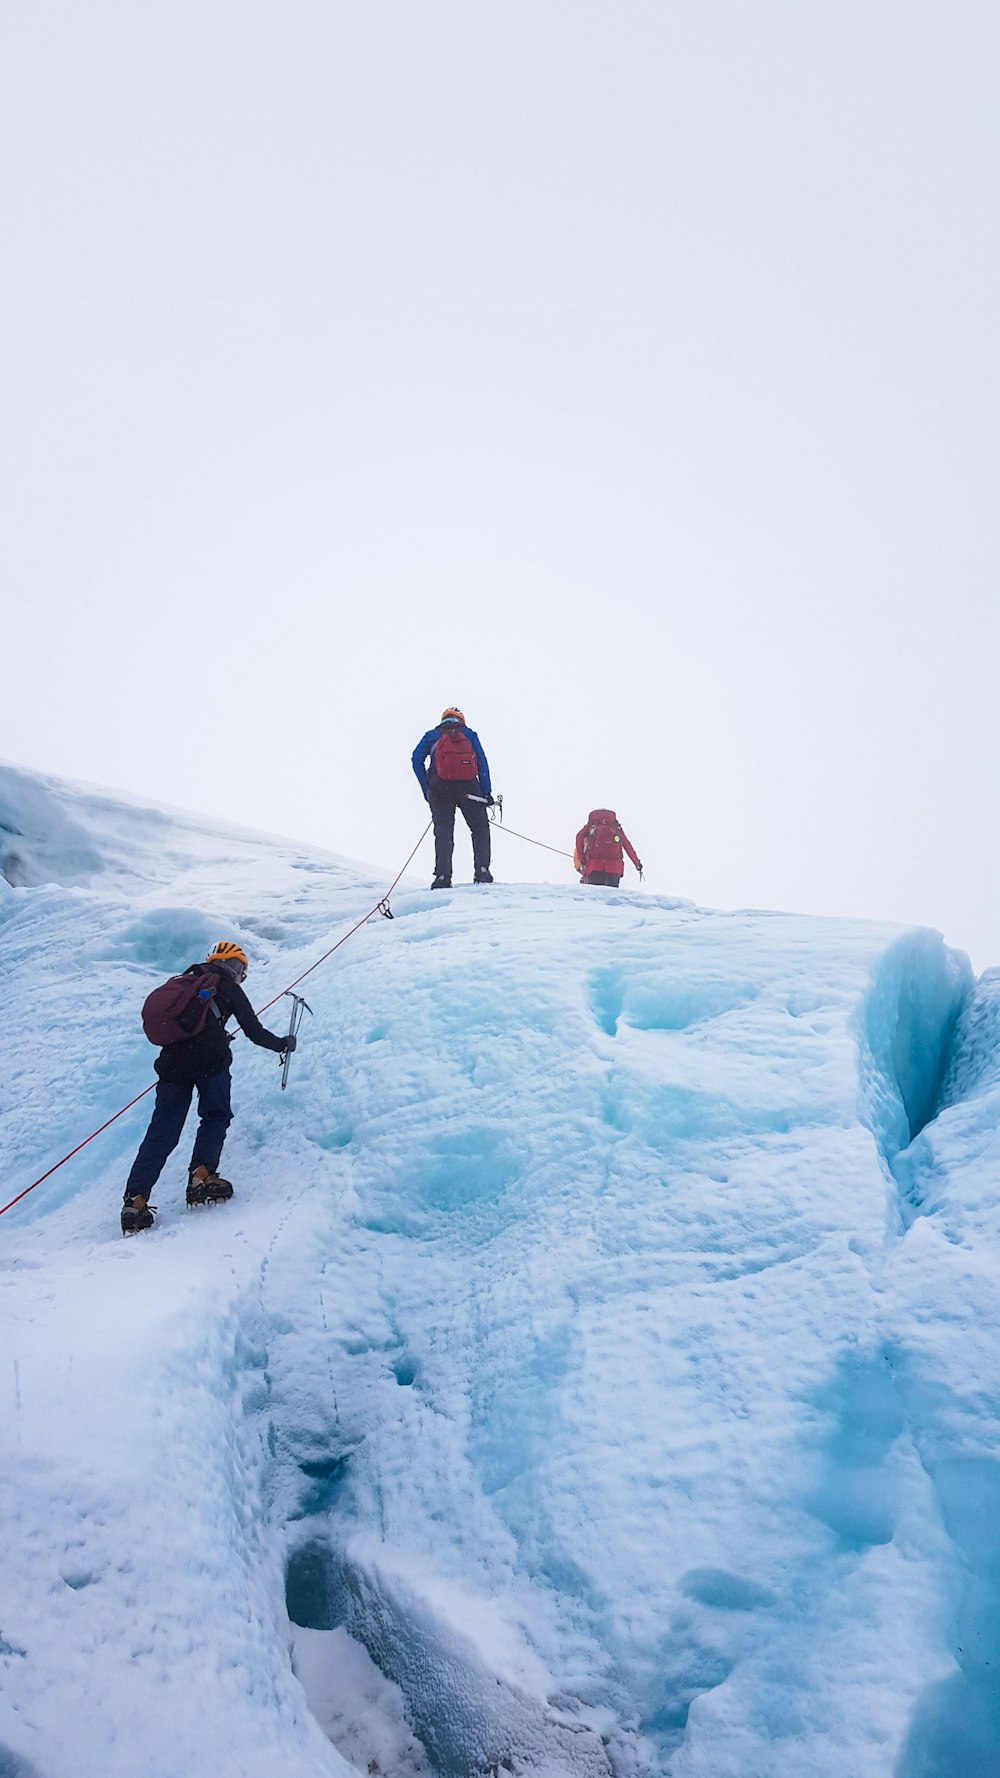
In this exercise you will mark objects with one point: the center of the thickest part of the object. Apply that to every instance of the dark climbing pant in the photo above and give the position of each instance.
(603, 879)
(444, 799)
(173, 1102)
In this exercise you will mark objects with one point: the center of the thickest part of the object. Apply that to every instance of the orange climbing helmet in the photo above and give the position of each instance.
(452, 714)
(227, 952)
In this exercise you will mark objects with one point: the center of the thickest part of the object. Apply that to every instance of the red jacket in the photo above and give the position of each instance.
(599, 845)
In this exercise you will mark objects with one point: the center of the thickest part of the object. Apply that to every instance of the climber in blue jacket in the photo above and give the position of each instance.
(453, 773)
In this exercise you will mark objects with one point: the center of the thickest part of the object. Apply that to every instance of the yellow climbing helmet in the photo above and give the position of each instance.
(226, 952)
(452, 714)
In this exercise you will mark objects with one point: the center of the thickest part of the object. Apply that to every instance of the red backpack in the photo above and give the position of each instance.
(179, 1008)
(455, 759)
(602, 845)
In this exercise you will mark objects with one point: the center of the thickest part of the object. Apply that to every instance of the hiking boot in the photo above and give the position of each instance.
(136, 1215)
(205, 1187)
(482, 875)
(441, 883)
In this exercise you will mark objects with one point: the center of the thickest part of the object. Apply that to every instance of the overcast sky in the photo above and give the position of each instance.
(624, 373)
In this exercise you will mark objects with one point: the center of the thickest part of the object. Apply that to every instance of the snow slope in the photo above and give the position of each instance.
(596, 1371)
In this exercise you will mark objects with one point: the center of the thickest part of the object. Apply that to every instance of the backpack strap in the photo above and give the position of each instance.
(203, 969)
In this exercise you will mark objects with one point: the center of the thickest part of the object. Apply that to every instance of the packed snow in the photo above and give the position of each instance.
(595, 1374)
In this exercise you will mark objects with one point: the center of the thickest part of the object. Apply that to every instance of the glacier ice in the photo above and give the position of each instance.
(596, 1371)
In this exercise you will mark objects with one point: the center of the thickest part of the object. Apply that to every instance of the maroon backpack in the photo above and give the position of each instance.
(178, 1009)
(455, 758)
(602, 846)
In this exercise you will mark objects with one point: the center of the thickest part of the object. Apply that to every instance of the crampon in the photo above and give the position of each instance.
(207, 1188)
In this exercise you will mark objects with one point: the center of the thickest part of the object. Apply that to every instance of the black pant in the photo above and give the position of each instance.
(603, 879)
(444, 799)
(173, 1102)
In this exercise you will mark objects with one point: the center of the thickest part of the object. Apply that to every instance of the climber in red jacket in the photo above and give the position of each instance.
(599, 845)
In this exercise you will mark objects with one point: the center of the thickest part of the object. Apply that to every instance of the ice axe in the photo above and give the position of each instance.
(493, 803)
(299, 1006)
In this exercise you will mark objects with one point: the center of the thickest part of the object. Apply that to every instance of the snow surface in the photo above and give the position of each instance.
(595, 1373)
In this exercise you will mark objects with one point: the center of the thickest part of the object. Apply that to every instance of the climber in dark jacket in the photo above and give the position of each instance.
(452, 771)
(202, 1062)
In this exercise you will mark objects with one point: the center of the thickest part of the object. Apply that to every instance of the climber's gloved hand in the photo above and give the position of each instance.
(289, 1044)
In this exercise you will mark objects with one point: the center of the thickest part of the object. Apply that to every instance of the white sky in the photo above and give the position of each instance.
(627, 374)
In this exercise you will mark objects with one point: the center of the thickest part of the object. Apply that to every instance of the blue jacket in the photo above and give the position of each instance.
(425, 747)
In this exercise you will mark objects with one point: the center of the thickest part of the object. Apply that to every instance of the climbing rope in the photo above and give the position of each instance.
(495, 806)
(76, 1150)
(531, 842)
(380, 907)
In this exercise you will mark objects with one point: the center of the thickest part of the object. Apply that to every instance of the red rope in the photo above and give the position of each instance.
(76, 1150)
(299, 978)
